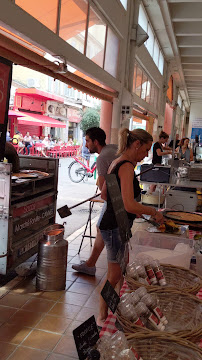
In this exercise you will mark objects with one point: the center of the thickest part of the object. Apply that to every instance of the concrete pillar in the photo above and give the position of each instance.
(106, 119)
(116, 117)
(175, 96)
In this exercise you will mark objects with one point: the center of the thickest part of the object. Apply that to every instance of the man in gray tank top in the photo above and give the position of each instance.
(96, 142)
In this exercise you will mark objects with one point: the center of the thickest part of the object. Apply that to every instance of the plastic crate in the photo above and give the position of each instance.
(163, 247)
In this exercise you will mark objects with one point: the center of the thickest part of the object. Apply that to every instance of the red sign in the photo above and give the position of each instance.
(5, 84)
(73, 115)
(32, 207)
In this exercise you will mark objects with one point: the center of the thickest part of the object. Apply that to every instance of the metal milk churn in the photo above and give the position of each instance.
(52, 260)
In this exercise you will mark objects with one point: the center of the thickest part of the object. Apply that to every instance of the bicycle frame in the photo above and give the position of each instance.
(86, 167)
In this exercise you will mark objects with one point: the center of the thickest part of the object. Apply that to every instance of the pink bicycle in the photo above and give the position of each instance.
(78, 170)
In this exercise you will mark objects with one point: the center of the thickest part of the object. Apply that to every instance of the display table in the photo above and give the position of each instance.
(110, 328)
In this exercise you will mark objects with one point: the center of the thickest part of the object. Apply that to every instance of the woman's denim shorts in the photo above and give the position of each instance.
(115, 248)
(104, 208)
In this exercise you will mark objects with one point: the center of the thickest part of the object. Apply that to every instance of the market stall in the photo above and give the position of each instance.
(28, 206)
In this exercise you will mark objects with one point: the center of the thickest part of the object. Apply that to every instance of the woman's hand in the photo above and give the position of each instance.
(158, 217)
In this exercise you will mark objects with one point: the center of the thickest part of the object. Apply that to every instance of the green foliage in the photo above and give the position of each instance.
(90, 118)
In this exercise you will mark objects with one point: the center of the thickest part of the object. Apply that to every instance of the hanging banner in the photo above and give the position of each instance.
(5, 85)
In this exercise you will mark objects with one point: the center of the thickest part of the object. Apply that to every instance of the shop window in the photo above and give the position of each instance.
(57, 87)
(148, 91)
(156, 96)
(134, 78)
(124, 3)
(152, 94)
(138, 82)
(161, 63)
(112, 51)
(44, 11)
(156, 53)
(96, 38)
(150, 41)
(142, 19)
(144, 86)
(73, 20)
(179, 101)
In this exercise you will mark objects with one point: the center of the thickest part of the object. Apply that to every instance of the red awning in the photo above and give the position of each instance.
(40, 120)
(14, 113)
(39, 94)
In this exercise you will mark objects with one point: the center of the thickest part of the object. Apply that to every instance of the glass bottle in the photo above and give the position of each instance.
(150, 272)
(130, 314)
(142, 273)
(132, 271)
(151, 303)
(159, 272)
(143, 311)
(141, 291)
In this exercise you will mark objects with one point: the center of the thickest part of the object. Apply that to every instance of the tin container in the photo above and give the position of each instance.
(52, 260)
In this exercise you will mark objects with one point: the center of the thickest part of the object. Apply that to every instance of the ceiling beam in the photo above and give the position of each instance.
(186, 12)
(191, 51)
(182, 1)
(192, 67)
(181, 29)
(165, 13)
(190, 41)
(192, 73)
(191, 60)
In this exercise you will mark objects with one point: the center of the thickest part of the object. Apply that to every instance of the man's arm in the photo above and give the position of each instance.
(100, 181)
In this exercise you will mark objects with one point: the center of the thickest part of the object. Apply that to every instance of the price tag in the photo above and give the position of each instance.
(85, 336)
(110, 296)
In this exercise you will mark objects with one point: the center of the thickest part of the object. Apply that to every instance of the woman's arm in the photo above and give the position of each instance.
(166, 152)
(126, 174)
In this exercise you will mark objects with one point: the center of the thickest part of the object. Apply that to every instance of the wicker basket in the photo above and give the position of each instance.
(183, 312)
(163, 347)
(177, 278)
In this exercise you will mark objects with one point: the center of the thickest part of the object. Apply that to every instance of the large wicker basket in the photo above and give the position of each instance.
(163, 347)
(183, 312)
(176, 277)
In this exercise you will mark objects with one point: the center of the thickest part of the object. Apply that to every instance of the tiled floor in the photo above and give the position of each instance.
(38, 325)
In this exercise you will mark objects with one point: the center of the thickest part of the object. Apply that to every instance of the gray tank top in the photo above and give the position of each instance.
(185, 155)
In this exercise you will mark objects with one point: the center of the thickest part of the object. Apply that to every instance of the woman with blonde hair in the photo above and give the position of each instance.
(133, 147)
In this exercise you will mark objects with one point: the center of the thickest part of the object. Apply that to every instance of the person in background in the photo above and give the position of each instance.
(196, 144)
(8, 138)
(11, 155)
(85, 153)
(185, 152)
(96, 143)
(60, 142)
(70, 142)
(177, 142)
(28, 143)
(159, 150)
(16, 138)
(133, 148)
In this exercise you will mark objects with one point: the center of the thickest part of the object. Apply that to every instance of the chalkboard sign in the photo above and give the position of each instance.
(118, 207)
(85, 336)
(110, 296)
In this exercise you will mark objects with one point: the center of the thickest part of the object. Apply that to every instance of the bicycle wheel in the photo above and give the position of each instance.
(76, 172)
